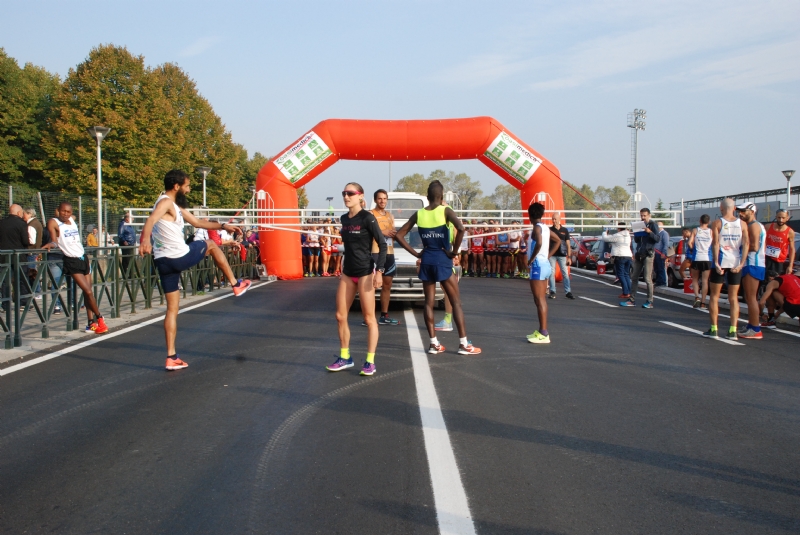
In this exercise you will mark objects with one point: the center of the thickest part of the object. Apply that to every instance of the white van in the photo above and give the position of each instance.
(406, 285)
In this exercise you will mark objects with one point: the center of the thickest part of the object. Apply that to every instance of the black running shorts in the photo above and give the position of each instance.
(733, 279)
(74, 266)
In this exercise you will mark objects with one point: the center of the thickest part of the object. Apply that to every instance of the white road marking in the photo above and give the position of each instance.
(596, 301)
(102, 337)
(687, 305)
(720, 339)
(450, 499)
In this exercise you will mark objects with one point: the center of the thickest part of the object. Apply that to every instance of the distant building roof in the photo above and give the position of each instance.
(752, 196)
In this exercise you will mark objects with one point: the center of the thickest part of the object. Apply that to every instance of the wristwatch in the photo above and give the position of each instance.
(381, 271)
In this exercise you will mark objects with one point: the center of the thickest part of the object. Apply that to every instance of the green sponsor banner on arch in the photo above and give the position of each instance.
(515, 159)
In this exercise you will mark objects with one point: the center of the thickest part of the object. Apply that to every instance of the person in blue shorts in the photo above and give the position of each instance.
(543, 244)
(436, 222)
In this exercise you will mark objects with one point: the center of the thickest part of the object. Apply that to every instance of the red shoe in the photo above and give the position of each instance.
(468, 350)
(241, 287)
(624, 296)
(436, 349)
(175, 364)
(100, 326)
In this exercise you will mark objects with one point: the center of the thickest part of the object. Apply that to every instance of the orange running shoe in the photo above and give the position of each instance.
(468, 350)
(242, 285)
(175, 364)
(100, 326)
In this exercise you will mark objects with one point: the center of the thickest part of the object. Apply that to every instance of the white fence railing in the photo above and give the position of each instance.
(269, 218)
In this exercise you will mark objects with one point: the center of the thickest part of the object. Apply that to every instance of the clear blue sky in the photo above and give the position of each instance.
(719, 79)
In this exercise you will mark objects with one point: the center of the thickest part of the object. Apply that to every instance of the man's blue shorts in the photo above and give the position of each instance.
(434, 273)
(540, 271)
(170, 268)
(757, 272)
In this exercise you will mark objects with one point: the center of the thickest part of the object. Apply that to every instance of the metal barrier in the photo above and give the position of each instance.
(33, 288)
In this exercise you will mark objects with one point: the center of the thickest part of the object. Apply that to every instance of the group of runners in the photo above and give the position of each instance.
(319, 244)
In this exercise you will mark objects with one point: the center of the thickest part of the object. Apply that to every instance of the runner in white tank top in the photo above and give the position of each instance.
(754, 270)
(172, 254)
(728, 242)
(66, 234)
(702, 245)
(542, 244)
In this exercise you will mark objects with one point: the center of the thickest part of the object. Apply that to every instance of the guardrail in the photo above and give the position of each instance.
(34, 291)
(579, 220)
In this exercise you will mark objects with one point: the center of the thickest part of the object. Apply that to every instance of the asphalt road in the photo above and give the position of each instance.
(623, 424)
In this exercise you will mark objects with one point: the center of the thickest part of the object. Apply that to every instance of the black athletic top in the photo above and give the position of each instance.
(357, 235)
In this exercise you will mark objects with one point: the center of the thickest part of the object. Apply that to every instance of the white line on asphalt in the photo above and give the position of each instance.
(687, 305)
(596, 301)
(450, 499)
(103, 337)
(731, 342)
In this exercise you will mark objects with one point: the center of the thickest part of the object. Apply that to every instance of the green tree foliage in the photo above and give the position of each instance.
(415, 183)
(159, 121)
(573, 201)
(302, 198)
(611, 198)
(506, 197)
(26, 98)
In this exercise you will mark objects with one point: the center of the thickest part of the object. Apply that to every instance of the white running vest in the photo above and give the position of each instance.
(702, 245)
(69, 239)
(168, 240)
(730, 243)
(544, 250)
(758, 257)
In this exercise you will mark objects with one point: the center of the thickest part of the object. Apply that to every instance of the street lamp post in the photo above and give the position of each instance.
(788, 174)
(99, 133)
(204, 171)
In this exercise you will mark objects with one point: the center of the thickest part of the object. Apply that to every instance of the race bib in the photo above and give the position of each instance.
(773, 252)
(388, 241)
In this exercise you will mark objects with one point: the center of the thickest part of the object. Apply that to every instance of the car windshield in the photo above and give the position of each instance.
(404, 208)
(412, 238)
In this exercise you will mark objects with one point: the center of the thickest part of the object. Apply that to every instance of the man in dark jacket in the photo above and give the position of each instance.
(35, 234)
(126, 237)
(13, 236)
(643, 259)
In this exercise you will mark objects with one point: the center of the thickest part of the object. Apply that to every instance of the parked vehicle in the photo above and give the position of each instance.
(582, 255)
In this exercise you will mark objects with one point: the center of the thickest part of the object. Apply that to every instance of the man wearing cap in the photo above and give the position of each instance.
(754, 271)
(780, 249)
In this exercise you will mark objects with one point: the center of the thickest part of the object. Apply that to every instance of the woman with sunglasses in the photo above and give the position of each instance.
(359, 274)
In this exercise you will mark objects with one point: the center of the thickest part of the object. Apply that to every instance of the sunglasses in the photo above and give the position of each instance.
(350, 193)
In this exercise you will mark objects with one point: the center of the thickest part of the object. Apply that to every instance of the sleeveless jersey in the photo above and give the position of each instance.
(490, 242)
(502, 241)
(790, 288)
(514, 240)
(436, 237)
(69, 239)
(544, 250)
(757, 257)
(168, 241)
(730, 243)
(386, 222)
(702, 245)
(477, 244)
(464, 243)
(777, 244)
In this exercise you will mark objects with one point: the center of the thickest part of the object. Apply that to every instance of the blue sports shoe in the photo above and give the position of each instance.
(647, 304)
(627, 303)
(443, 326)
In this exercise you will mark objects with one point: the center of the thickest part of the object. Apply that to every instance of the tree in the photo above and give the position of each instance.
(611, 198)
(506, 197)
(462, 185)
(573, 201)
(415, 183)
(159, 121)
(659, 215)
(302, 198)
(26, 99)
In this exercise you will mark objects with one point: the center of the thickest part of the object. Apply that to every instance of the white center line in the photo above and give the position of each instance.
(102, 337)
(450, 499)
(731, 342)
(596, 301)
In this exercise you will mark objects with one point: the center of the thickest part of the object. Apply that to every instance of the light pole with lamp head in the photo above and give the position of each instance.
(99, 133)
(788, 174)
(204, 171)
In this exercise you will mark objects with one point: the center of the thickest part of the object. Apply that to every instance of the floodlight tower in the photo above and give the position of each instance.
(635, 122)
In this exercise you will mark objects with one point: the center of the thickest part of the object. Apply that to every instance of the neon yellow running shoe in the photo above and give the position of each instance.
(538, 338)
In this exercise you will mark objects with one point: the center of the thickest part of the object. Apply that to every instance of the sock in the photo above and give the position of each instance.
(732, 329)
(371, 358)
(345, 353)
(770, 317)
(384, 314)
(463, 341)
(173, 357)
(435, 341)
(756, 328)
(448, 317)
(544, 332)
(713, 327)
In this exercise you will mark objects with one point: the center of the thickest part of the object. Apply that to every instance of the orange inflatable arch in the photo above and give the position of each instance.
(481, 138)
